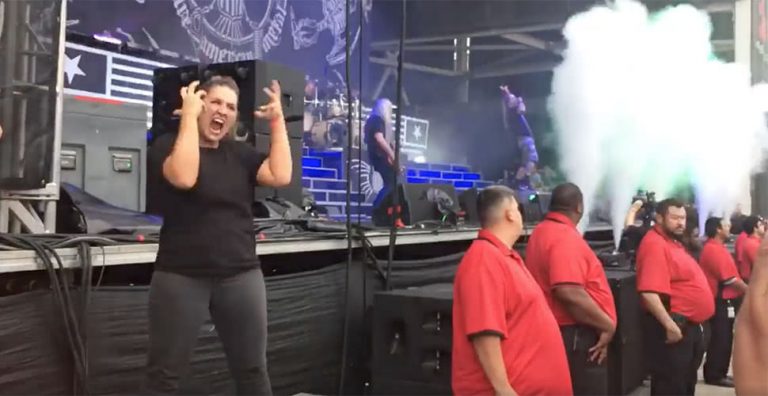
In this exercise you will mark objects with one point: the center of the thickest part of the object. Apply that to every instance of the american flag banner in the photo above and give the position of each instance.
(103, 74)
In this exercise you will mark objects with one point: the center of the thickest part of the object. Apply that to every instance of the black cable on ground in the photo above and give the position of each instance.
(86, 280)
(398, 127)
(348, 203)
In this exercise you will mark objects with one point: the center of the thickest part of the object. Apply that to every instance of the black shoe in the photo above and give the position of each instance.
(723, 382)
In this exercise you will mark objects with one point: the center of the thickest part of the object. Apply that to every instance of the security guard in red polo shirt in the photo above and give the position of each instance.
(675, 293)
(574, 283)
(505, 338)
(746, 252)
(724, 282)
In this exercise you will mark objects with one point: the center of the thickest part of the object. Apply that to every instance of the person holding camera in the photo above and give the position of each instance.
(676, 297)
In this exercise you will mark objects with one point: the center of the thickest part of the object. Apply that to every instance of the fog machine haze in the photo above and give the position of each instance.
(641, 102)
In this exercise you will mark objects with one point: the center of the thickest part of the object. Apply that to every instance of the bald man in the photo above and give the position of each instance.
(576, 288)
(750, 350)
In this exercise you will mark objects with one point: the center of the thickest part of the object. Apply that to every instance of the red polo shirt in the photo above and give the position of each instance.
(737, 245)
(746, 254)
(495, 293)
(558, 255)
(718, 265)
(665, 267)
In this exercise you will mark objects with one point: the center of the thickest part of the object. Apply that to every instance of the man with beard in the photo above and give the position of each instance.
(675, 294)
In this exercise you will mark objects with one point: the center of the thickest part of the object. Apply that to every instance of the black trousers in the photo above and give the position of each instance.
(178, 306)
(674, 367)
(388, 175)
(720, 342)
(588, 378)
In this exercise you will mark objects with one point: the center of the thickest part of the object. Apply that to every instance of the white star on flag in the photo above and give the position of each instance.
(72, 68)
(417, 132)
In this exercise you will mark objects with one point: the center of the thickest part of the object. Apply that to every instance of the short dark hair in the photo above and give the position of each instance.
(489, 200)
(663, 206)
(219, 81)
(750, 224)
(566, 197)
(712, 225)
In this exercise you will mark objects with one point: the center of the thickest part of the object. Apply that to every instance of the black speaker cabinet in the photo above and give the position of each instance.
(251, 77)
(626, 364)
(415, 206)
(412, 338)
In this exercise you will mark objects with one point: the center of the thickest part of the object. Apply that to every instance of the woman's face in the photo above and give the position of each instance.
(219, 115)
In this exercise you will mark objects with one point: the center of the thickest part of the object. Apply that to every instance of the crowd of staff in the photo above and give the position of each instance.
(542, 325)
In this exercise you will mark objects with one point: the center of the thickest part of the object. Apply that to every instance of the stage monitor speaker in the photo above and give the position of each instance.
(412, 339)
(468, 203)
(251, 77)
(30, 48)
(417, 204)
(534, 205)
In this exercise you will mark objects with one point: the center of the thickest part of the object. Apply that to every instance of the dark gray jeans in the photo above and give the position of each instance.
(178, 306)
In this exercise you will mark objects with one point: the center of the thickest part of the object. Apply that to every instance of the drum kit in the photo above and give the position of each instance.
(325, 117)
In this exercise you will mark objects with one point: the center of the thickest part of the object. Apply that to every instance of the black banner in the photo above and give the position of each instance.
(306, 34)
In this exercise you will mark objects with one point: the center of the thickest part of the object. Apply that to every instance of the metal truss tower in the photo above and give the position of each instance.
(32, 39)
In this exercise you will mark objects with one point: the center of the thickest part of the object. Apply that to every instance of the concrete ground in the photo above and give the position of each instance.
(702, 389)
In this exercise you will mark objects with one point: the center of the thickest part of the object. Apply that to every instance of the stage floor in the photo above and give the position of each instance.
(143, 253)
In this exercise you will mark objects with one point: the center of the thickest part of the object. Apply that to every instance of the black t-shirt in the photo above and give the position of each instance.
(373, 125)
(207, 230)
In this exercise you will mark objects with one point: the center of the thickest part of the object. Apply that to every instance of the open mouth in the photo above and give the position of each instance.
(217, 125)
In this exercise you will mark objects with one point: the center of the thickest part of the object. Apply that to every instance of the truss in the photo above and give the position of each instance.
(522, 49)
(26, 57)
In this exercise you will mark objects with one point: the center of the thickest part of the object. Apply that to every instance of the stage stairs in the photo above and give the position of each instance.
(323, 176)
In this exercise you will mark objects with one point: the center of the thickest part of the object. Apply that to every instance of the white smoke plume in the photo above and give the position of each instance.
(640, 101)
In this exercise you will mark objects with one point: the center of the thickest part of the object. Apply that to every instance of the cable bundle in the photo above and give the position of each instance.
(74, 314)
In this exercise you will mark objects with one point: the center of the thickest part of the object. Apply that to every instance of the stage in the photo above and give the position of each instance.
(144, 253)
(311, 293)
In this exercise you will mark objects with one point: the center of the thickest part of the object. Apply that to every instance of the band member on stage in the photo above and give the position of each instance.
(750, 346)
(576, 288)
(505, 338)
(513, 116)
(380, 139)
(727, 287)
(676, 296)
(207, 257)
(746, 253)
